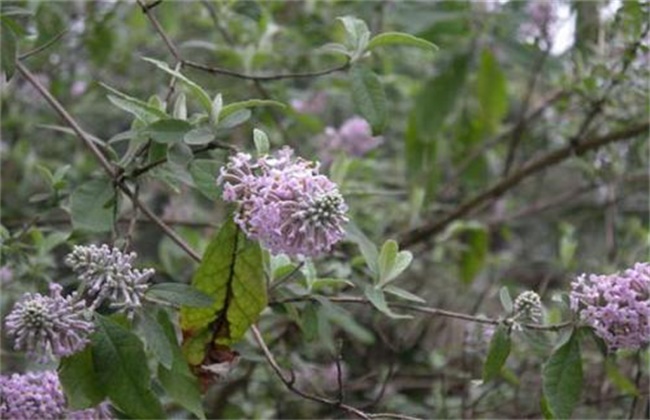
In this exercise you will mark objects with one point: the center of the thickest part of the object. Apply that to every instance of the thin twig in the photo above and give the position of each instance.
(289, 384)
(112, 172)
(232, 73)
(423, 232)
(210, 146)
(44, 46)
(430, 311)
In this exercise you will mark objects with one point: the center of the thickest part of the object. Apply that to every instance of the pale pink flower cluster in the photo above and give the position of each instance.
(284, 202)
(354, 137)
(616, 306)
(47, 326)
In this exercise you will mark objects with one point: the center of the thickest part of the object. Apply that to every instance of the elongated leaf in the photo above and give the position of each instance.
(156, 339)
(369, 97)
(196, 90)
(179, 294)
(235, 119)
(498, 353)
(404, 294)
(199, 136)
(261, 142)
(357, 35)
(168, 131)
(387, 258)
(378, 300)
(79, 381)
(400, 38)
(8, 49)
(492, 90)
(367, 248)
(623, 383)
(140, 109)
(251, 103)
(506, 300)
(562, 378)
(472, 257)
(231, 272)
(179, 382)
(204, 173)
(88, 206)
(118, 357)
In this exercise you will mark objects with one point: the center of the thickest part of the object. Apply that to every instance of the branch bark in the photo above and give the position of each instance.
(422, 233)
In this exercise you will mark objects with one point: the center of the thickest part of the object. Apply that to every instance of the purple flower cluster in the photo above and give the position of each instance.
(47, 326)
(284, 202)
(354, 137)
(110, 276)
(38, 395)
(616, 306)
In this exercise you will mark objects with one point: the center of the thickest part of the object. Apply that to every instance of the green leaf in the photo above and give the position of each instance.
(228, 110)
(7, 50)
(401, 293)
(435, 102)
(196, 90)
(378, 300)
(472, 257)
(140, 109)
(235, 119)
(232, 272)
(79, 380)
(180, 107)
(204, 173)
(498, 353)
(156, 340)
(387, 257)
(367, 248)
(624, 384)
(118, 357)
(179, 294)
(562, 378)
(491, 90)
(369, 97)
(88, 206)
(261, 142)
(215, 111)
(400, 38)
(402, 261)
(179, 154)
(199, 136)
(357, 35)
(309, 324)
(179, 382)
(167, 131)
(506, 300)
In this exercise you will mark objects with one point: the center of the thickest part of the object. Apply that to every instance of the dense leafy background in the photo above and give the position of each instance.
(449, 121)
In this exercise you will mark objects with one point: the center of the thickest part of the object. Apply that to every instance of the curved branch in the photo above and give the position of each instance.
(226, 72)
(422, 233)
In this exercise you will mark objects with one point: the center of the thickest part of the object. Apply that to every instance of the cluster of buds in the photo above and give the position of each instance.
(528, 306)
(38, 395)
(285, 203)
(47, 326)
(616, 306)
(108, 275)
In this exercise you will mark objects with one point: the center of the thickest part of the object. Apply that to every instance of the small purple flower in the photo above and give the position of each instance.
(616, 306)
(47, 326)
(38, 395)
(285, 203)
(34, 395)
(354, 137)
(315, 104)
(110, 276)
